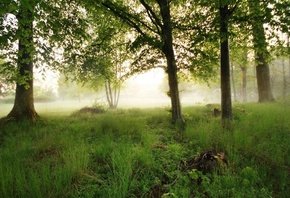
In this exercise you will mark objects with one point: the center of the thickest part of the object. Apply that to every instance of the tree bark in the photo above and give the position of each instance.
(226, 101)
(263, 79)
(168, 51)
(24, 100)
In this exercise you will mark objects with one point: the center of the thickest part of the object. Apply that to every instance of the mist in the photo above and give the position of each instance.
(146, 90)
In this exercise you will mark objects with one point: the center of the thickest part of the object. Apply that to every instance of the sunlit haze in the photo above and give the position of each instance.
(139, 91)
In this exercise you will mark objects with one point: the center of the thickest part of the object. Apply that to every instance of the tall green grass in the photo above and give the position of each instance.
(257, 149)
(137, 152)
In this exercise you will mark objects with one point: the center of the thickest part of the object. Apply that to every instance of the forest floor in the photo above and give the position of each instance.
(138, 153)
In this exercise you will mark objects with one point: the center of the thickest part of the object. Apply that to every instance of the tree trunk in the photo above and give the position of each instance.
(233, 81)
(244, 83)
(24, 101)
(244, 69)
(263, 80)
(112, 96)
(168, 51)
(261, 54)
(226, 101)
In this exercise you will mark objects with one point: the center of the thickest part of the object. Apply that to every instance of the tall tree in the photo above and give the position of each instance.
(39, 28)
(226, 101)
(240, 60)
(24, 101)
(244, 69)
(157, 34)
(259, 15)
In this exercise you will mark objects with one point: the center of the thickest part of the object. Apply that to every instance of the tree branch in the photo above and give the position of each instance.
(129, 18)
(155, 20)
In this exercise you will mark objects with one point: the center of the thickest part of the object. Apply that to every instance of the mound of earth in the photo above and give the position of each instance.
(90, 110)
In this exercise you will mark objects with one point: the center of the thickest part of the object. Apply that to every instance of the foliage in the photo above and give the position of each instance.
(6, 76)
(58, 26)
(193, 43)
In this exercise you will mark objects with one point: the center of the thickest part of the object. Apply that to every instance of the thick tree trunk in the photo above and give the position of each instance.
(263, 80)
(226, 101)
(24, 101)
(167, 49)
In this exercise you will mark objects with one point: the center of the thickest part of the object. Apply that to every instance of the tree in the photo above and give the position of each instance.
(239, 57)
(38, 28)
(24, 101)
(157, 33)
(260, 14)
(114, 81)
(226, 102)
(244, 69)
(100, 62)
(281, 23)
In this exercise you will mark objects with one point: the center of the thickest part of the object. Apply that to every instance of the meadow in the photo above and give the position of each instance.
(137, 152)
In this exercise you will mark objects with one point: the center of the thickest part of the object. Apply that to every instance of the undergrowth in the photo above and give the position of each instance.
(137, 153)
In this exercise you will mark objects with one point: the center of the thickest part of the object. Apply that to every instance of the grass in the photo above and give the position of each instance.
(136, 153)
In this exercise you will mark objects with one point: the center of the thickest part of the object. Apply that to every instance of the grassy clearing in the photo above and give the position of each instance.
(136, 153)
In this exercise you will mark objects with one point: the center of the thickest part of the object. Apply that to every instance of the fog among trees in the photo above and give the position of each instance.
(208, 52)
